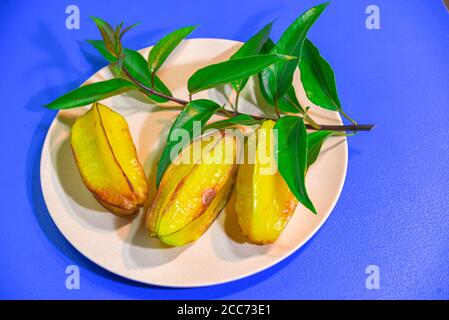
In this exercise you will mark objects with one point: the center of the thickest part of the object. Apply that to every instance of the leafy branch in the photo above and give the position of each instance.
(274, 65)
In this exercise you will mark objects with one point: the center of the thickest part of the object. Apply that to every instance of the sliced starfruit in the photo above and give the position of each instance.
(107, 160)
(264, 203)
(194, 190)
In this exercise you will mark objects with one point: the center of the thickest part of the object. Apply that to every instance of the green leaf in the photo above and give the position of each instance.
(117, 66)
(115, 62)
(242, 119)
(90, 93)
(255, 44)
(107, 33)
(137, 67)
(118, 44)
(231, 70)
(318, 78)
(160, 86)
(197, 110)
(315, 141)
(292, 156)
(267, 46)
(289, 102)
(165, 46)
(250, 48)
(100, 46)
(126, 29)
(279, 77)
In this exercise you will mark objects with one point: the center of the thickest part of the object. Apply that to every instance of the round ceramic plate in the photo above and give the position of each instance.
(122, 246)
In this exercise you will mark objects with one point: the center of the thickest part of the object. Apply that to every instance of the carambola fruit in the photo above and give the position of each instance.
(264, 203)
(194, 190)
(107, 160)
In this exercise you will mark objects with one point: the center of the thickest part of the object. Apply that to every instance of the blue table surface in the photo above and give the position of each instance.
(392, 213)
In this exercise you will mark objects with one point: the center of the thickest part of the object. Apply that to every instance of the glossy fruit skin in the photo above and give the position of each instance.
(264, 203)
(107, 160)
(191, 195)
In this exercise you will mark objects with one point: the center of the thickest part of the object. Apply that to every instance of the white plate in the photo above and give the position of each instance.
(221, 254)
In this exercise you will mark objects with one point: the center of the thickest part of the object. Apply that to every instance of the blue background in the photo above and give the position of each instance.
(393, 211)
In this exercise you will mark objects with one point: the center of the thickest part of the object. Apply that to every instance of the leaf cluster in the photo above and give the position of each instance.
(272, 63)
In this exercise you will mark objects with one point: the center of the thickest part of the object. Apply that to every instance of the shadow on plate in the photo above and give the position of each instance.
(234, 247)
(138, 247)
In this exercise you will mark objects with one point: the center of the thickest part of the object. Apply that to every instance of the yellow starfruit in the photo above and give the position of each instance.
(107, 160)
(194, 190)
(264, 203)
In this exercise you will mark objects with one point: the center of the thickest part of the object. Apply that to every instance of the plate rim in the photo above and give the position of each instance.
(314, 231)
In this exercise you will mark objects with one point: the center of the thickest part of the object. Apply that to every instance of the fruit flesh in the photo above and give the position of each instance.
(264, 203)
(192, 195)
(107, 160)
